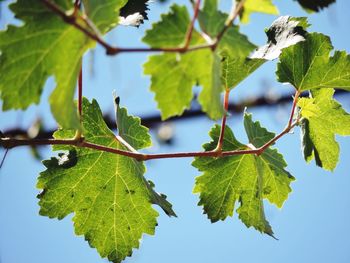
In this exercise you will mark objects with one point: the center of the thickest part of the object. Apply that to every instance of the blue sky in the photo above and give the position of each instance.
(311, 227)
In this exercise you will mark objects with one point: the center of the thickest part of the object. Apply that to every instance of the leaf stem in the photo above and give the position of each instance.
(80, 90)
(223, 121)
(236, 9)
(295, 101)
(289, 126)
(191, 26)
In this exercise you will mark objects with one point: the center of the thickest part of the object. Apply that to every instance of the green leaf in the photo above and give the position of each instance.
(111, 199)
(285, 31)
(323, 117)
(315, 5)
(42, 47)
(174, 75)
(257, 6)
(104, 13)
(171, 30)
(47, 46)
(308, 65)
(211, 19)
(243, 179)
(235, 70)
(131, 130)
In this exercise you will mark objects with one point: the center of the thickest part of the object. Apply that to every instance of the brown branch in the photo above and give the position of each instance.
(92, 32)
(153, 121)
(73, 20)
(9, 143)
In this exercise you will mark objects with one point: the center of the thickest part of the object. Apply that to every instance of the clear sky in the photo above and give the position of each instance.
(313, 225)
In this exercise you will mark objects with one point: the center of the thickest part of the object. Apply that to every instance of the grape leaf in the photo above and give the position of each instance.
(46, 46)
(259, 6)
(174, 75)
(235, 70)
(111, 199)
(244, 179)
(129, 126)
(171, 30)
(285, 31)
(308, 65)
(211, 19)
(315, 5)
(323, 117)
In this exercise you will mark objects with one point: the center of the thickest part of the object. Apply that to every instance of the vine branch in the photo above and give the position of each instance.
(93, 33)
(9, 143)
(152, 121)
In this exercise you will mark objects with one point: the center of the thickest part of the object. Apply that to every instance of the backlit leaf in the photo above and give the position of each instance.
(174, 75)
(308, 65)
(47, 46)
(108, 194)
(257, 6)
(324, 118)
(242, 180)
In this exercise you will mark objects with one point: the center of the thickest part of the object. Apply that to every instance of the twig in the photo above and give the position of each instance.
(191, 26)
(231, 18)
(289, 126)
(9, 143)
(152, 121)
(80, 90)
(295, 101)
(73, 20)
(112, 50)
(223, 122)
(4, 157)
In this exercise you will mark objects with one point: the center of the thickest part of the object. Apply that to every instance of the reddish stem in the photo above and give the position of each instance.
(111, 50)
(9, 143)
(80, 91)
(191, 27)
(295, 101)
(223, 122)
(231, 18)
